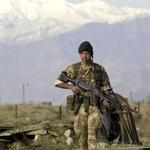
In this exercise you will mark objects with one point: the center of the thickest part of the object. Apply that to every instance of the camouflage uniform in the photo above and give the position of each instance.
(88, 116)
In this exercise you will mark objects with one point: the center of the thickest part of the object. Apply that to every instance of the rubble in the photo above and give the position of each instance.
(40, 135)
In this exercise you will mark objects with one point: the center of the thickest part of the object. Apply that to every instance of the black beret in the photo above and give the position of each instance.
(85, 46)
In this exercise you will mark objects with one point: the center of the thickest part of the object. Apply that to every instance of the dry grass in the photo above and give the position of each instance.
(42, 112)
(31, 112)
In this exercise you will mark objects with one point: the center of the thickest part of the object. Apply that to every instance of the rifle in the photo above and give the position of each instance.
(111, 98)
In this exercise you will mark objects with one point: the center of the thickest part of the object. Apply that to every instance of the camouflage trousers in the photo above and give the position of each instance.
(85, 124)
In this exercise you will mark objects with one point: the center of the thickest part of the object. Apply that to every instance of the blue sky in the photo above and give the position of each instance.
(123, 3)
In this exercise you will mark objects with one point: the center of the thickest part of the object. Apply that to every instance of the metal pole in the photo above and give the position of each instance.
(16, 111)
(60, 112)
(23, 93)
(138, 110)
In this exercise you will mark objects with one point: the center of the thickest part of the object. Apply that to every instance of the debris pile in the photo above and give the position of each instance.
(54, 134)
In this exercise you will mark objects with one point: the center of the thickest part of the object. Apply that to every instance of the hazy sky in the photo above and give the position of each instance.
(123, 3)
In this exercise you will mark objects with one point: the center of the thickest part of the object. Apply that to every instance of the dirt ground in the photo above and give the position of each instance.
(29, 114)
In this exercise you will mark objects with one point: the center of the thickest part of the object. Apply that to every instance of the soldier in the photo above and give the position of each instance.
(88, 115)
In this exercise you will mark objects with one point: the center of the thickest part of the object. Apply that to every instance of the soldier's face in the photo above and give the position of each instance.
(85, 56)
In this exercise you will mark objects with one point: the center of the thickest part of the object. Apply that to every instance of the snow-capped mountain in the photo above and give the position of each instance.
(31, 20)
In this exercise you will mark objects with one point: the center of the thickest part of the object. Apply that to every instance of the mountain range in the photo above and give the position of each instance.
(31, 20)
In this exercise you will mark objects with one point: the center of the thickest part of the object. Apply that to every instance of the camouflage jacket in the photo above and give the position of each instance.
(91, 73)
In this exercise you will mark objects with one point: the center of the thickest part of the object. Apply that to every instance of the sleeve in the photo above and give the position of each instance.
(105, 80)
(69, 73)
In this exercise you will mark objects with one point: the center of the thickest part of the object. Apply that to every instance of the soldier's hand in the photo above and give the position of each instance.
(105, 104)
(75, 89)
(107, 92)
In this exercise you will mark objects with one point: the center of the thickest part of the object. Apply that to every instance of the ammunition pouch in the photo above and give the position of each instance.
(95, 101)
(74, 102)
(70, 102)
(78, 98)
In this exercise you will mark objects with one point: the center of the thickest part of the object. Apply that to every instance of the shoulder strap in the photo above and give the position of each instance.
(76, 67)
(98, 75)
(97, 69)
